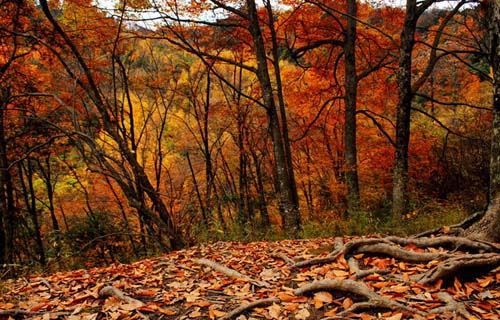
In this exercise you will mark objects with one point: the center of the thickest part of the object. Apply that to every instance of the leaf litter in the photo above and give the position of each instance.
(258, 280)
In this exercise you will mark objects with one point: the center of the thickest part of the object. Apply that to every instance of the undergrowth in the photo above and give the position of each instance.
(94, 246)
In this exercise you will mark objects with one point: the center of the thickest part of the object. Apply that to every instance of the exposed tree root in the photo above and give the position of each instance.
(453, 243)
(230, 272)
(456, 308)
(453, 266)
(110, 291)
(359, 273)
(282, 256)
(394, 251)
(247, 307)
(357, 288)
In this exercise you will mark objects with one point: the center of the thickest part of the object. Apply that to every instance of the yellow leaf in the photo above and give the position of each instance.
(7, 306)
(202, 303)
(446, 229)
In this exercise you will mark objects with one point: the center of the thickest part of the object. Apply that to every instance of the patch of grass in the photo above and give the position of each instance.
(429, 216)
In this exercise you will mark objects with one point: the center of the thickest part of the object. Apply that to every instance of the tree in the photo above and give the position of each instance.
(407, 89)
(351, 95)
(488, 227)
(253, 26)
(130, 175)
(405, 97)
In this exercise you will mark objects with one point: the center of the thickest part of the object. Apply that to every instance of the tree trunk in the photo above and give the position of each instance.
(488, 228)
(351, 87)
(287, 196)
(405, 95)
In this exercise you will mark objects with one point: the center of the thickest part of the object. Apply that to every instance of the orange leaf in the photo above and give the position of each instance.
(399, 289)
(347, 303)
(485, 281)
(291, 307)
(332, 312)
(286, 297)
(397, 316)
(167, 312)
(147, 293)
(7, 306)
(215, 314)
(202, 303)
(365, 316)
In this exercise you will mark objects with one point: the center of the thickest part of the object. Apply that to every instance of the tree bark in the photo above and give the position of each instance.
(405, 96)
(351, 88)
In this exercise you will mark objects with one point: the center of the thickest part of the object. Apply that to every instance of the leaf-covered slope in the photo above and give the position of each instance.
(328, 278)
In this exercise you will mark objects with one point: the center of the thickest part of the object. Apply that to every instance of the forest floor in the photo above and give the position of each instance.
(331, 278)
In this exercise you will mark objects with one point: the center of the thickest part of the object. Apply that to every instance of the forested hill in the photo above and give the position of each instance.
(330, 278)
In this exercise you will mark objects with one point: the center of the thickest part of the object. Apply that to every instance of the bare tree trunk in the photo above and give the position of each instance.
(287, 193)
(405, 96)
(29, 196)
(7, 207)
(351, 88)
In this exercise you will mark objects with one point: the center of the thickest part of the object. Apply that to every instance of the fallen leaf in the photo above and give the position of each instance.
(322, 297)
(347, 303)
(274, 311)
(286, 297)
(397, 316)
(302, 314)
(213, 313)
(332, 312)
(7, 306)
(167, 312)
(195, 314)
(291, 307)
(485, 281)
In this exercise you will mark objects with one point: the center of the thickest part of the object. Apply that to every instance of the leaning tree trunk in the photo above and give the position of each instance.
(488, 228)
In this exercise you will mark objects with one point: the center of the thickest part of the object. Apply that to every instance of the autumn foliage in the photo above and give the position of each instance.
(131, 130)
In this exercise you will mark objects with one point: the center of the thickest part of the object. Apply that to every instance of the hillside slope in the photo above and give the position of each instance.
(330, 278)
